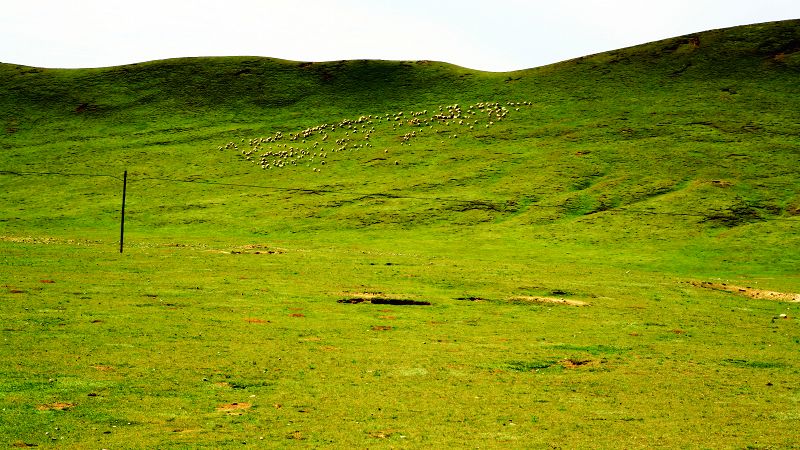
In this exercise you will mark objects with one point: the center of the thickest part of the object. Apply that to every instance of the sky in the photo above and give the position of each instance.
(492, 35)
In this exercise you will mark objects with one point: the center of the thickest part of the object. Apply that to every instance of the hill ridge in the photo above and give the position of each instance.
(782, 40)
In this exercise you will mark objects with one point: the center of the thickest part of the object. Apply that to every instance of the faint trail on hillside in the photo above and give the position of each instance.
(64, 174)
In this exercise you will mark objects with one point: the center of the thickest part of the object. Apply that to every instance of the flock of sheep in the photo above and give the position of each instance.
(312, 147)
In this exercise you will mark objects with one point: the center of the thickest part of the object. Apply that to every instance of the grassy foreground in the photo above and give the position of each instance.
(598, 253)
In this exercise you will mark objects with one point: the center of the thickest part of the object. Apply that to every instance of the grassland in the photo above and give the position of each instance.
(620, 181)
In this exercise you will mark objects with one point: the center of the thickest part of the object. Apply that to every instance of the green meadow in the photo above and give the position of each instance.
(600, 253)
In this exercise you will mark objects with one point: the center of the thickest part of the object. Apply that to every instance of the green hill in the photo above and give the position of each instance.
(617, 179)
(696, 132)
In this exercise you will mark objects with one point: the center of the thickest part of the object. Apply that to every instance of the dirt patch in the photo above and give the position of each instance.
(262, 250)
(378, 298)
(381, 328)
(254, 320)
(353, 301)
(296, 435)
(103, 368)
(571, 363)
(548, 300)
(759, 294)
(368, 295)
(385, 301)
(721, 183)
(58, 406)
(399, 302)
(382, 434)
(297, 315)
(471, 299)
(252, 249)
(234, 408)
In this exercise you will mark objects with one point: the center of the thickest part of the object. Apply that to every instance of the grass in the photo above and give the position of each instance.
(171, 334)
(615, 180)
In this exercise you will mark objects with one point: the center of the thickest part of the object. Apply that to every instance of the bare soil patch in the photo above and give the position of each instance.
(57, 406)
(382, 434)
(234, 408)
(368, 295)
(253, 249)
(760, 294)
(721, 183)
(296, 435)
(471, 299)
(571, 363)
(254, 320)
(379, 298)
(548, 300)
(256, 249)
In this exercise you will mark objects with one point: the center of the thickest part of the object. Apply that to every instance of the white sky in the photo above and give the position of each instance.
(496, 35)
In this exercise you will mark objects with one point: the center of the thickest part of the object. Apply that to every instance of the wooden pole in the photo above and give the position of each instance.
(122, 221)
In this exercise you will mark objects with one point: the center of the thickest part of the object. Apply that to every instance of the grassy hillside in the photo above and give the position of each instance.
(262, 191)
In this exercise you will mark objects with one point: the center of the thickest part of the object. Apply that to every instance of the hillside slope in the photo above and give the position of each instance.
(657, 145)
